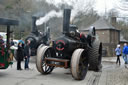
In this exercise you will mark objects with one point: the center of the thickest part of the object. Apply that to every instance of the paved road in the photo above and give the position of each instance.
(111, 74)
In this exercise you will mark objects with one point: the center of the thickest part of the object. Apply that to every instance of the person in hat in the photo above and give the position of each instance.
(118, 54)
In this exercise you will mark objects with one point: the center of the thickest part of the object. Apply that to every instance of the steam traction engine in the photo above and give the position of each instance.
(37, 38)
(72, 50)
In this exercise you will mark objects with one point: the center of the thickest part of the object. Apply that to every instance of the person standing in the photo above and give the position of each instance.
(2, 46)
(118, 54)
(2, 41)
(11, 43)
(125, 53)
(19, 56)
(27, 54)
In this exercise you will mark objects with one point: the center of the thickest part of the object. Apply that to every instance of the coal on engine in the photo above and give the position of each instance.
(72, 50)
(37, 38)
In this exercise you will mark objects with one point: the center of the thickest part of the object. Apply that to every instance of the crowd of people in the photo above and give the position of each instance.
(123, 53)
(22, 53)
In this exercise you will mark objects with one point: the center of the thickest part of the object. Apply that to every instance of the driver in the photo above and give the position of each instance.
(83, 37)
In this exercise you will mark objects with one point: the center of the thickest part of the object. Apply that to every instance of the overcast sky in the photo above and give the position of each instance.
(82, 6)
(104, 5)
(101, 6)
(119, 5)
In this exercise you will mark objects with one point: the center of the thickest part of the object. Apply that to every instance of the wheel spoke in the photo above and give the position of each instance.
(43, 64)
(46, 68)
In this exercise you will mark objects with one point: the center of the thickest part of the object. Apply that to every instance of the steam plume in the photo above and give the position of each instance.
(48, 16)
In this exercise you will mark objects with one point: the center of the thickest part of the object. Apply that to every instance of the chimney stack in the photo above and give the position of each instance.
(34, 27)
(113, 21)
(66, 20)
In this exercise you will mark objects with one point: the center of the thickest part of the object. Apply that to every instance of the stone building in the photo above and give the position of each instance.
(107, 34)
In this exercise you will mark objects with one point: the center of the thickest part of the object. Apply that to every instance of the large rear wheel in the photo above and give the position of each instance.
(41, 65)
(95, 56)
(79, 64)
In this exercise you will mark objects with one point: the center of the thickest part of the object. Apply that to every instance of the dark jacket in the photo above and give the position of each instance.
(27, 51)
(12, 43)
(20, 54)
